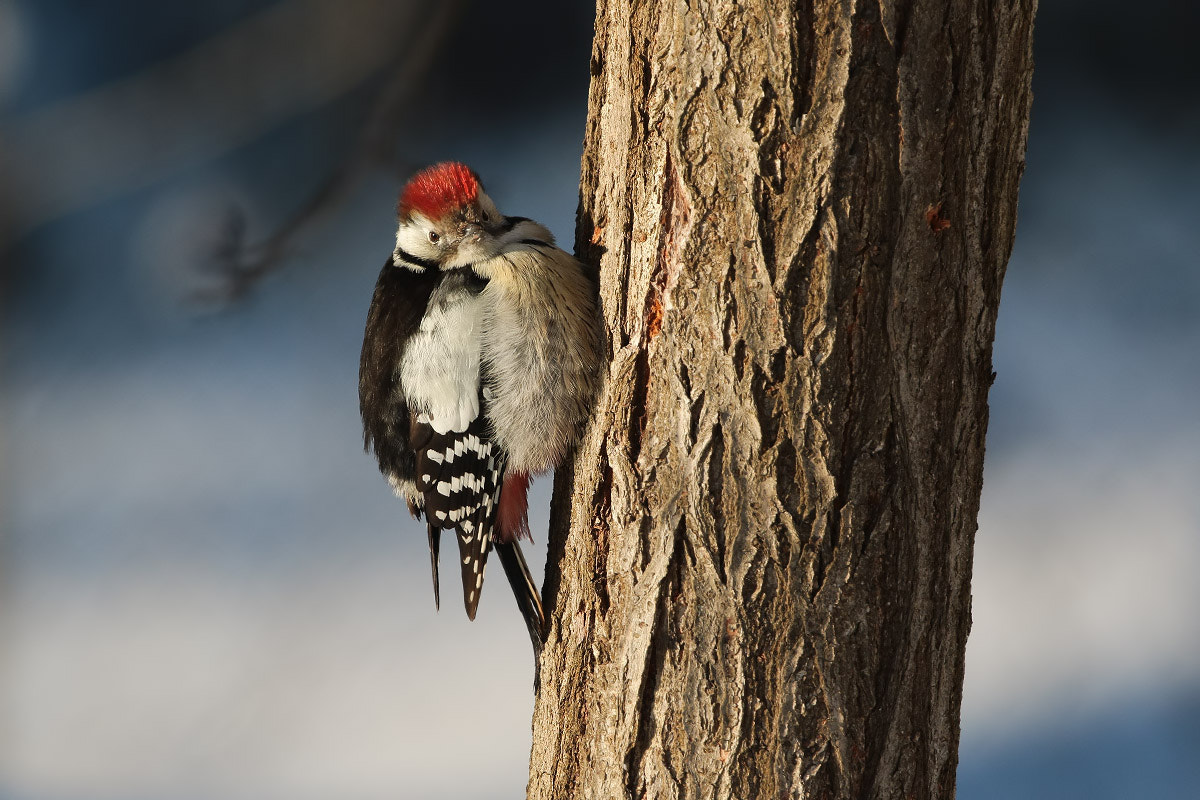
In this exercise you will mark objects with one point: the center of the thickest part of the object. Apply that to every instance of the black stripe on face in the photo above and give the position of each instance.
(401, 255)
(510, 223)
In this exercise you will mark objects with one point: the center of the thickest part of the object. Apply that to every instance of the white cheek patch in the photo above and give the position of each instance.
(413, 237)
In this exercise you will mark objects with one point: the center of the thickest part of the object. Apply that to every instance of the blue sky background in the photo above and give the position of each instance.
(206, 589)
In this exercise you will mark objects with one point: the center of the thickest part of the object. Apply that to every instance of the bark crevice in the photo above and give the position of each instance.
(759, 572)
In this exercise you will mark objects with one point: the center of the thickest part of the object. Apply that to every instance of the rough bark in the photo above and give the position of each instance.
(759, 577)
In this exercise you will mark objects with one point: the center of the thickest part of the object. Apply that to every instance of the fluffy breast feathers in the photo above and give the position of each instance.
(541, 352)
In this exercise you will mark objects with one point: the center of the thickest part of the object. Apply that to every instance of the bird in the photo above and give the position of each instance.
(480, 365)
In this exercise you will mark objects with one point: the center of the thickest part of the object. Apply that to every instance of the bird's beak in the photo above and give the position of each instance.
(471, 232)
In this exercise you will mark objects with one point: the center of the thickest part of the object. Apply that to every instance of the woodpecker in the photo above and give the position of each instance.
(480, 363)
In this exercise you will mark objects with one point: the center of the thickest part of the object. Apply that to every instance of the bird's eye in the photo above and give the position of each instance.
(484, 216)
(433, 237)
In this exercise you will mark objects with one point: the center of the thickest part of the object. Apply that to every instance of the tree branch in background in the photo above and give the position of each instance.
(240, 266)
(286, 60)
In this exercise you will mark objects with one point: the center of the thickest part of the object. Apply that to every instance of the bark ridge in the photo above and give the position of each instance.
(759, 576)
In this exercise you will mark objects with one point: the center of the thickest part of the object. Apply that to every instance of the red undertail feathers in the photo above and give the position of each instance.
(512, 518)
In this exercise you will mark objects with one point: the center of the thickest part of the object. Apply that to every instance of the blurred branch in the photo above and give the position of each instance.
(288, 59)
(240, 265)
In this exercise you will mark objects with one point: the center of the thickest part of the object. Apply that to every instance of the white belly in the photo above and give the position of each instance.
(440, 368)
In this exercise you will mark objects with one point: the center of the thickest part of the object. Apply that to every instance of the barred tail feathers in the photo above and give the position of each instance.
(435, 538)
(474, 541)
(524, 590)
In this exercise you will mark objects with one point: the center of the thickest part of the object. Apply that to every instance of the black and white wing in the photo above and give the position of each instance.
(398, 305)
(459, 474)
(424, 416)
(457, 468)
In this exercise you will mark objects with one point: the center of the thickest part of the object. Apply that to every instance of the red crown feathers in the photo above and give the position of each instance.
(435, 190)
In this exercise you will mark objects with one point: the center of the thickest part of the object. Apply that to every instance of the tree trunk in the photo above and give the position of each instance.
(759, 572)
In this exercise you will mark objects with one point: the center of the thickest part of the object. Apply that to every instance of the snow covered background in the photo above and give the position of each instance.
(207, 591)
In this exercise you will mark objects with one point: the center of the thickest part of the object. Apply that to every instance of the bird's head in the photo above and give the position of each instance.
(445, 219)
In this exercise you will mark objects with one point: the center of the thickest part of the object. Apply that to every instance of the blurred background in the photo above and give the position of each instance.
(208, 591)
